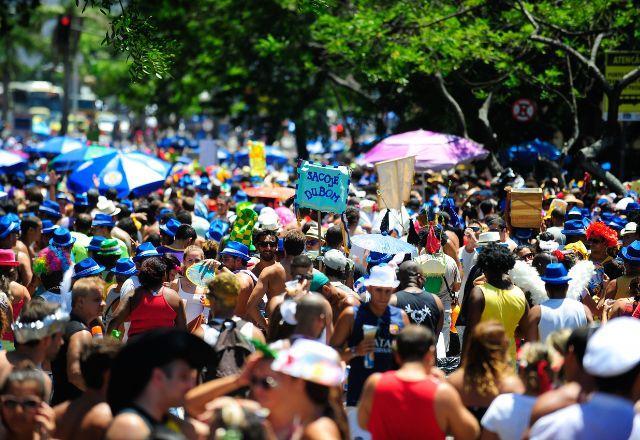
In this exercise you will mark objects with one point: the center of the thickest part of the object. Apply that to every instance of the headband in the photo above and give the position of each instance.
(34, 331)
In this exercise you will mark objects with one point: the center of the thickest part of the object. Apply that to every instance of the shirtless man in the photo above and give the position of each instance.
(9, 231)
(235, 257)
(38, 337)
(272, 279)
(267, 243)
(89, 415)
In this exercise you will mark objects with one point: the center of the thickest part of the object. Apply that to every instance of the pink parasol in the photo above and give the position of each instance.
(433, 151)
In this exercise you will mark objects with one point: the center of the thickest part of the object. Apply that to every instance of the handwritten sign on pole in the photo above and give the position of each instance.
(257, 159)
(323, 188)
(395, 178)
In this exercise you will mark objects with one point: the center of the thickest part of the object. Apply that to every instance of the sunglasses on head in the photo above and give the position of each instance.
(263, 382)
(11, 402)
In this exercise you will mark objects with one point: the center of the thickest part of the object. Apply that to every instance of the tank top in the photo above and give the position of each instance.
(395, 402)
(622, 286)
(63, 389)
(152, 311)
(506, 307)
(560, 313)
(389, 325)
(420, 307)
(193, 306)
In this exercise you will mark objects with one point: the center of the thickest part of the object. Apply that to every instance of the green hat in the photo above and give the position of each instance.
(110, 246)
(242, 228)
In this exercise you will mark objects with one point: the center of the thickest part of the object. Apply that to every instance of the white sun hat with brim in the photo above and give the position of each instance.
(382, 276)
(614, 349)
(311, 361)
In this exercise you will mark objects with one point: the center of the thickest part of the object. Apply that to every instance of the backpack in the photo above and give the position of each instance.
(230, 350)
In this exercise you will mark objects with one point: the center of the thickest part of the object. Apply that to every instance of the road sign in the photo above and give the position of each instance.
(523, 110)
(618, 64)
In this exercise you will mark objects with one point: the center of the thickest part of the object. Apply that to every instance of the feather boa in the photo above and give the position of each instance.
(527, 278)
(581, 273)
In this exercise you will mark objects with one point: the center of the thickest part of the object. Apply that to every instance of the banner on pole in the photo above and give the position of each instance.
(208, 153)
(395, 179)
(257, 159)
(323, 188)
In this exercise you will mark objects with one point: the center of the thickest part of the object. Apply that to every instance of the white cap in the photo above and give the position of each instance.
(621, 204)
(382, 276)
(630, 228)
(269, 219)
(614, 349)
(336, 260)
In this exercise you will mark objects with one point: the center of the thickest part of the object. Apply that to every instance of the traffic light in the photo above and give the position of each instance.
(63, 31)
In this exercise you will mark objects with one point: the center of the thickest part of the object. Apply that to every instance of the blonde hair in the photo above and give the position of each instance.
(534, 365)
(193, 248)
(486, 361)
(85, 286)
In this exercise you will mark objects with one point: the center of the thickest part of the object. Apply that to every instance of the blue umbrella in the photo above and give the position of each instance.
(69, 161)
(56, 145)
(134, 172)
(178, 142)
(10, 162)
(274, 155)
(382, 243)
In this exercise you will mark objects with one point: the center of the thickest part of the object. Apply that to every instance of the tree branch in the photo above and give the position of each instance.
(596, 46)
(574, 109)
(454, 104)
(351, 84)
(628, 78)
(453, 15)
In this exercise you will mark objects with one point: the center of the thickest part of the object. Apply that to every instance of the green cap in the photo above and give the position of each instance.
(110, 246)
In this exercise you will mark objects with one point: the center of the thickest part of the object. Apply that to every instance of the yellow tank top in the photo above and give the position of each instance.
(506, 307)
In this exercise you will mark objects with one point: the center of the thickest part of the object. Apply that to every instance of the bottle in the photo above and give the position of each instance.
(96, 332)
(116, 334)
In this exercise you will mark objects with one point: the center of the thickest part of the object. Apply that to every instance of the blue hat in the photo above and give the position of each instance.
(280, 244)
(555, 273)
(217, 230)
(574, 214)
(95, 243)
(62, 238)
(170, 227)
(14, 218)
(86, 268)
(236, 249)
(633, 206)
(602, 201)
(574, 227)
(62, 196)
(632, 252)
(163, 212)
(145, 250)
(522, 233)
(240, 196)
(586, 213)
(375, 258)
(186, 180)
(606, 217)
(616, 223)
(128, 203)
(125, 267)
(50, 208)
(81, 200)
(7, 226)
(102, 220)
(48, 226)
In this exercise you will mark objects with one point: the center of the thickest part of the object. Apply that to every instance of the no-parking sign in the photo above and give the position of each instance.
(523, 110)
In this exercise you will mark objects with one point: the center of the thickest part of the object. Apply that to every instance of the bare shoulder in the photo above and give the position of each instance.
(554, 400)
(19, 291)
(98, 418)
(456, 379)
(323, 428)
(512, 384)
(60, 410)
(127, 427)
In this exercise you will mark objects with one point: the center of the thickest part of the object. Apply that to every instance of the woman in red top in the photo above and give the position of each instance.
(412, 402)
(152, 305)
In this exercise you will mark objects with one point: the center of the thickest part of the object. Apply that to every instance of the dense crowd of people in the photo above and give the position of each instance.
(199, 312)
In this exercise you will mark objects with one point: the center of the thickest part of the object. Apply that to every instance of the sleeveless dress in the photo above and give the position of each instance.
(506, 307)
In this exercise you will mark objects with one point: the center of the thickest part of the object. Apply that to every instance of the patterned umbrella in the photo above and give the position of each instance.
(69, 161)
(385, 244)
(10, 161)
(56, 145)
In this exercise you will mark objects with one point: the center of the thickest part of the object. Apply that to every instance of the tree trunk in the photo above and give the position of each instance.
(6, 83)
(458, 110)
(66, 86)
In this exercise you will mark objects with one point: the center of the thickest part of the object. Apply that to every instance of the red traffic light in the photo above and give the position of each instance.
(65, 20)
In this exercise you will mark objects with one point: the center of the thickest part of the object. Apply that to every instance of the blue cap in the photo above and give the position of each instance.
(145, 250)
(163, 212)
(240, 196)
(236, 249)
(217, 230)
(574, 214)
(125, 267)
(170, 227)
(376, 258)
(62, 238)
(555, 273)
(103, 220)
(7, 226)
(48, 226)
(574, 227)
(50, 208)
(86, 268)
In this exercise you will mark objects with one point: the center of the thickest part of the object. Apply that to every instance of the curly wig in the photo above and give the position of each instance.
(600, 230)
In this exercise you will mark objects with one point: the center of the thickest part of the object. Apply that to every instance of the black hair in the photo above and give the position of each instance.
(128, 226)
(184, 217)
(352, 215)
(112, 194)
(333, 237)
(486, 206)
(414, 342)
(541, 260)
(152, 272)
(186, 232)
(578, 341)
(96, 359)
(294, 241)
(495, 258)
(82, 223)
(92, 197)
(336, 273)
(621, 384)
(301, 261)
(29, 223)
(497, 221)
(259, 235)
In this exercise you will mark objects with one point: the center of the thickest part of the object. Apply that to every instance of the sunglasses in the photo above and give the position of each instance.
(271, 244)
(301, 278)
(595, 241)
(263, 382)
(475, 228)
(527, 257)
(312, 242)
(12, 403)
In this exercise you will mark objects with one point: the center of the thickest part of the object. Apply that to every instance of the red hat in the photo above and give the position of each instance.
(8, 258)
